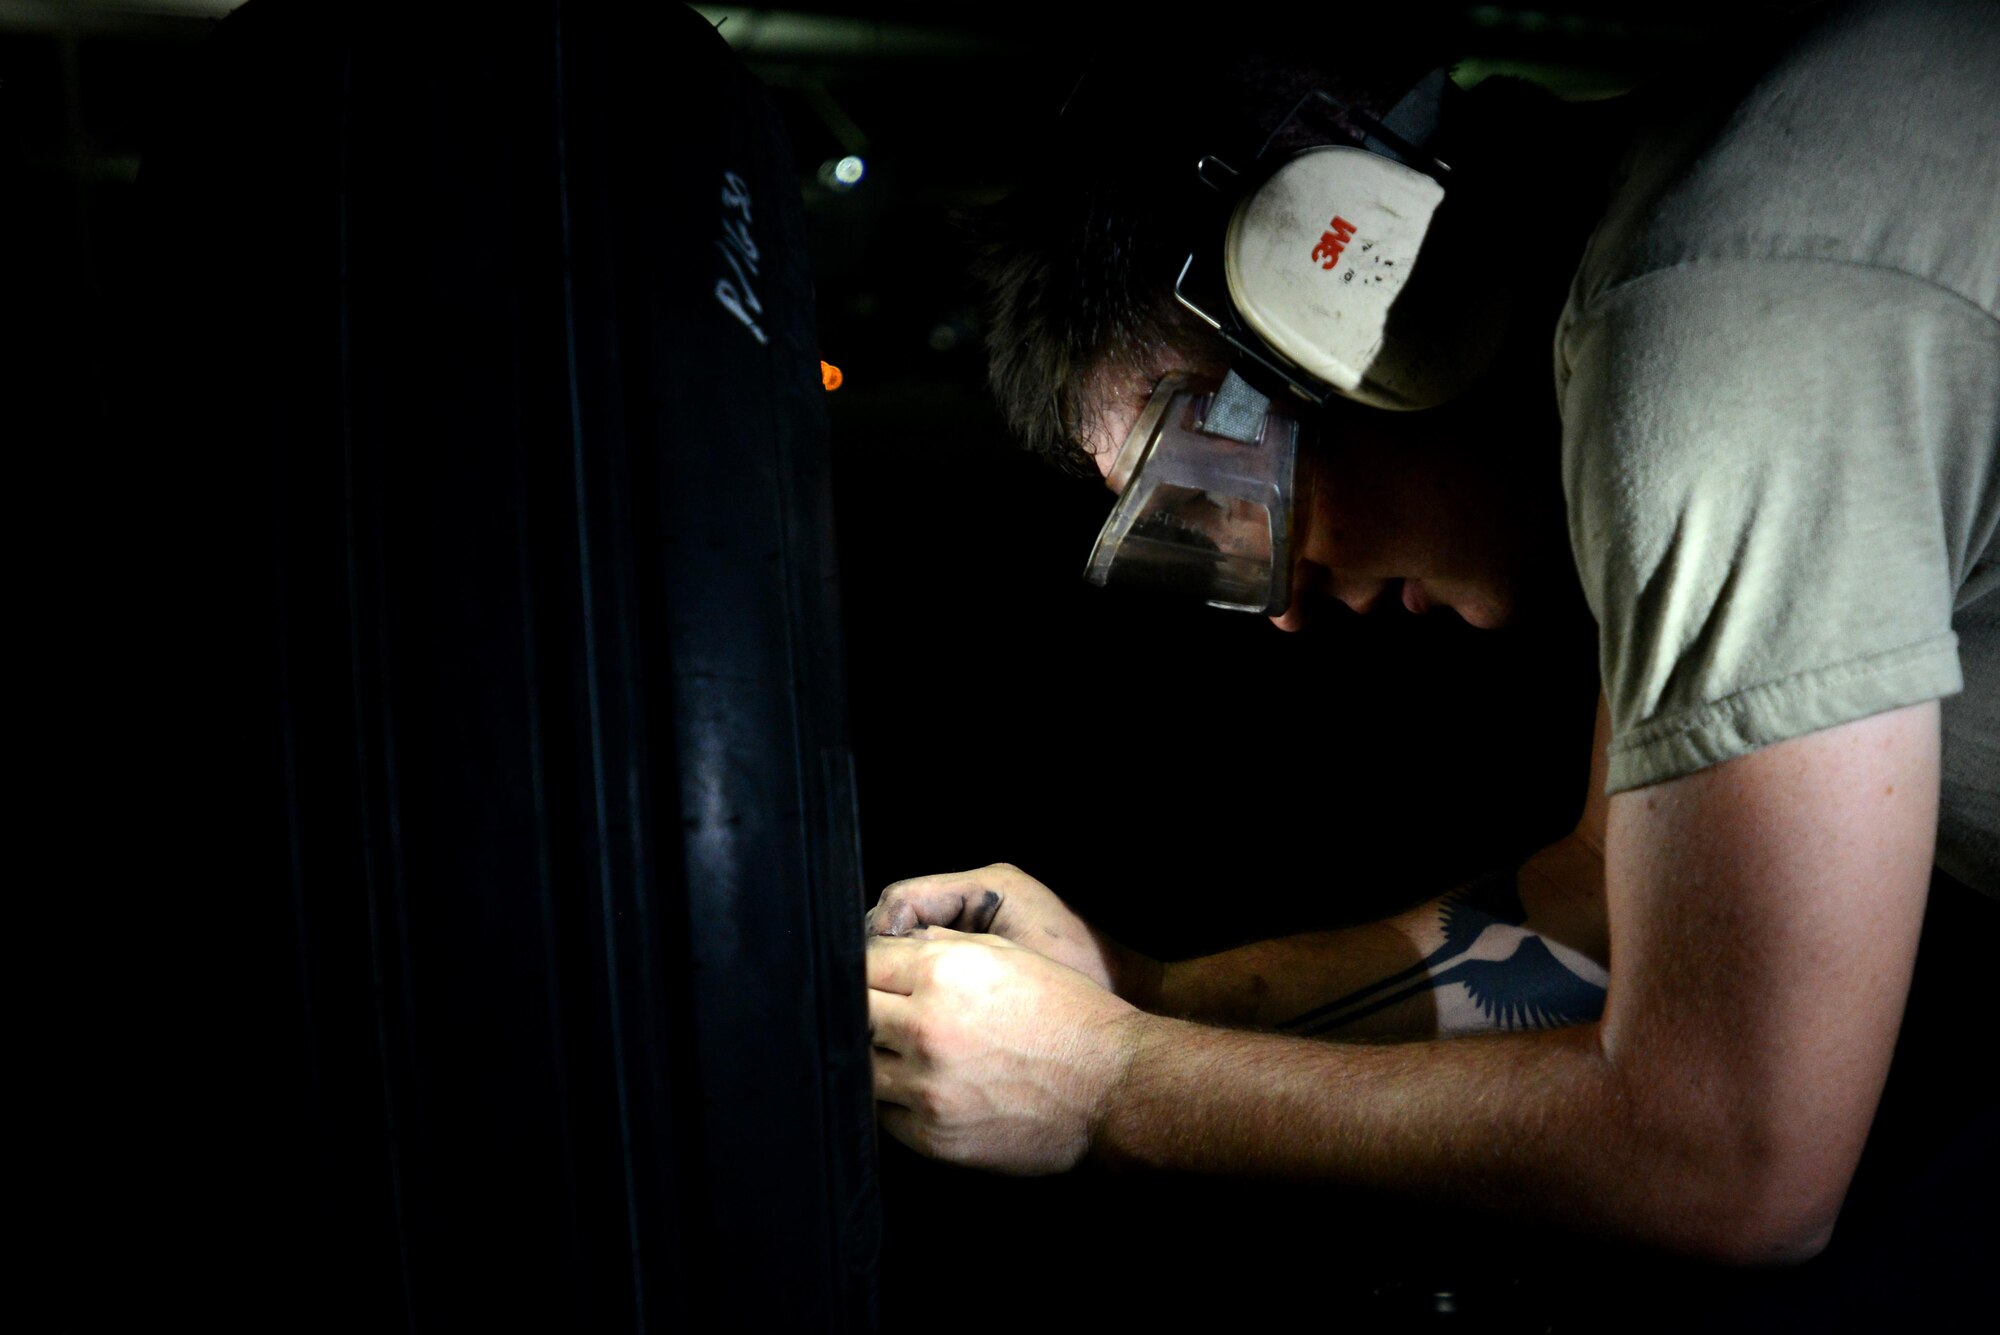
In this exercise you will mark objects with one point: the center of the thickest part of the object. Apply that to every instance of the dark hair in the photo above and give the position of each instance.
(1078, 262)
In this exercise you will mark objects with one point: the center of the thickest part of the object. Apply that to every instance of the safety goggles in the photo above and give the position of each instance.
(1205, 496)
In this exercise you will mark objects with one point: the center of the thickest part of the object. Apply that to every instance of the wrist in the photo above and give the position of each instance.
(1186, 990)
(1137, 1033)
(1135, 977)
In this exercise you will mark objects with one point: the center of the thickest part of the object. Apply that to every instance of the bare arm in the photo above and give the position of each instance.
(1764, 916)
(1521, 949)
(1515, 950)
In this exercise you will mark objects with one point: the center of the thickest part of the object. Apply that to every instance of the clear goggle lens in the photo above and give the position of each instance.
(1200, 514)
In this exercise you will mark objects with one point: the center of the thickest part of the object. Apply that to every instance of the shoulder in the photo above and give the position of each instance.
(1771, 470)
(1866, 138)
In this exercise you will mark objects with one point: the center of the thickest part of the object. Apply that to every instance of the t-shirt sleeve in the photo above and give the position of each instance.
(1758, 460)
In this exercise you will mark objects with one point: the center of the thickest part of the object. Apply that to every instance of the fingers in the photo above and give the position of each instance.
(900, 963)
(979, 911)
(900, 1123)
(967, 908)
(891, 1022)
(891, 917)
(894, 964)
(968, 901)
(892, 1079)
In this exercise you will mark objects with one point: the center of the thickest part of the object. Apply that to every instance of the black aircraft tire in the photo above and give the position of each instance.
(487, 553)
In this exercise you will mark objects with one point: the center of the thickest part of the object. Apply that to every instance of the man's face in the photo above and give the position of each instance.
(1416, 509)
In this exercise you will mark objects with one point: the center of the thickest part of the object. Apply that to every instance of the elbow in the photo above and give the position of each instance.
(1737, 1179)
(1770, 1238)
(1804, 1240)
(1768, 1214)
(1743, 1189)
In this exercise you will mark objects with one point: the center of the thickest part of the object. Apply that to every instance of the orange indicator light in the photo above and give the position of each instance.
(829, 376)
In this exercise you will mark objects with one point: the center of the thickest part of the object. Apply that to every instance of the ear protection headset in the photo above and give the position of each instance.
(1343, 269)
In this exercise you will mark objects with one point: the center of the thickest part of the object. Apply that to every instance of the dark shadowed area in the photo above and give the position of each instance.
(1191, 779)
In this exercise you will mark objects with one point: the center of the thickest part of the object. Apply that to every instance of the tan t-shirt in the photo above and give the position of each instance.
(1779, 374)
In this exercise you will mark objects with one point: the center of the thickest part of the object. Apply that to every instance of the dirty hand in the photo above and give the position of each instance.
(990, 1055)
(1006, 901)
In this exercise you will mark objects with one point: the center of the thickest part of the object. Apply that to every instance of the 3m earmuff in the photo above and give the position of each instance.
(1348, 268)
(1340, 269)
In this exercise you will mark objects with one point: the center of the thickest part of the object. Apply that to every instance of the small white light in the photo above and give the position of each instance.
(849, 170)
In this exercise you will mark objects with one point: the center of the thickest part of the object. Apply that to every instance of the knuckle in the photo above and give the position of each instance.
(907, 1126)
(940, 1108)
(969, 970)
(943, 968)
(1011, 877)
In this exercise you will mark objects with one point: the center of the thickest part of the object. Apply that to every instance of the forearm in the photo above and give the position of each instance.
(1542, 1124)
(1268, 983)
(1767, 913)
(1518, 950)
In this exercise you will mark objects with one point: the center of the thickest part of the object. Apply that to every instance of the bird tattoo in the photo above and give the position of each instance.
(1509, 973)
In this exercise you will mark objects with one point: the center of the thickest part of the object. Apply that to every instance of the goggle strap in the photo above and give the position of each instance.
(1237, 411)
(1416, 118)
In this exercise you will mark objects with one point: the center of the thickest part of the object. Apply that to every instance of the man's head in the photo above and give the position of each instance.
(1438, 509)
(1080, 263)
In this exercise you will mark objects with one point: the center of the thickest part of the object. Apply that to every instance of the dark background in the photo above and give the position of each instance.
(1192, 779)
(1140, 757)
